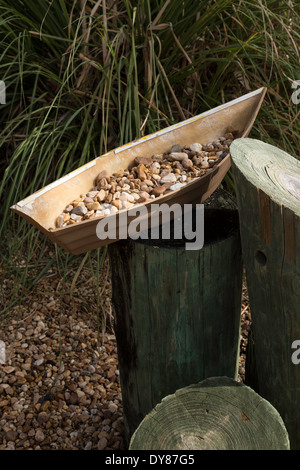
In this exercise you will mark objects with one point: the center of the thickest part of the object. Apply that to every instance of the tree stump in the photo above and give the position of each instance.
(216, 414)
(268, 194)
(177, 312)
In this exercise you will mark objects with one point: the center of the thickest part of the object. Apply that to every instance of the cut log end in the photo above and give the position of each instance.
(216, 414)
(269, 168)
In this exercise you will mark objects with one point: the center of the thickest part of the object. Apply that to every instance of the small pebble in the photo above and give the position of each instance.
(175, 148)
(127, 197)
(143, 161)
(88, 445)
(179, 156)
(39, 435)
(155, 166)
(59, 221)
(113, 210)
(158, 191)
(204, 163)
(39, 362)
(196, 147)
(92, 194)
(176, 186)
(79, 210)
(170, 178)
(102, 443)
(88, 200)
(75, 217)
(94, 206)
(187, 163)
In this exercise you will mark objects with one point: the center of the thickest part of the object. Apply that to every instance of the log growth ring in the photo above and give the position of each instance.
(269, 168)
(216, 414)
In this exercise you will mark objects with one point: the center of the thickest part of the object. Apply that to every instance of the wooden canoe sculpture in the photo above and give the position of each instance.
(42, 207)
(267, 183)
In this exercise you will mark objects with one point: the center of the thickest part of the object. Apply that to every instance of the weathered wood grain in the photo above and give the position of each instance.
(177, 312)
(216, 414)
(268, 193)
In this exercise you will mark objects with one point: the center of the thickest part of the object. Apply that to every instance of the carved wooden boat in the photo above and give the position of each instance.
(42, 208)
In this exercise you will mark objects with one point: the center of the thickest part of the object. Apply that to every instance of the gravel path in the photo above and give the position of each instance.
(59, 386)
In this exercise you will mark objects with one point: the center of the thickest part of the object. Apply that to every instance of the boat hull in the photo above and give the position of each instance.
(41, 208)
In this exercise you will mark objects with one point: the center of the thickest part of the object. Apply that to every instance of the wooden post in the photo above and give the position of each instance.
(177, 312)
(268, 193)
(216, 414)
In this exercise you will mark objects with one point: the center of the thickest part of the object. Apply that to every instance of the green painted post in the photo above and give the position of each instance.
(177, 312)
(268, 193)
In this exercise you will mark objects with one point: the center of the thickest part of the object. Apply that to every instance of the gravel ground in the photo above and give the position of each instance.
(59, 386)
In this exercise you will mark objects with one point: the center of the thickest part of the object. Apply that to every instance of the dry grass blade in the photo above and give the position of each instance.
(80, 267)
(160, 14)
(182, 115)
